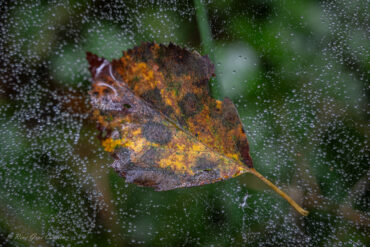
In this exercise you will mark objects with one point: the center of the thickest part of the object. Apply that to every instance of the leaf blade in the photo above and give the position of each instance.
(179, 159)
(156, 117)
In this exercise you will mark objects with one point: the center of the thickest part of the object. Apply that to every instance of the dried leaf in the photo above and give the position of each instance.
(156, 117)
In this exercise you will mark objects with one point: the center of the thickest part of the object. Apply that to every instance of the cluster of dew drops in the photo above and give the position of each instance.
(51, 162)
(52, 167)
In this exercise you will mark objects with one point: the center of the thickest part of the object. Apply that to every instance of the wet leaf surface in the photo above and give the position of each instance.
(157, 119)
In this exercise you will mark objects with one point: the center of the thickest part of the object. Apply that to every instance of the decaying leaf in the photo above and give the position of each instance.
(156, 117)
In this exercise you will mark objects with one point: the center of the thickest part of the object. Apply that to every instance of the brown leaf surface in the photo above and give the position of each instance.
(156, 117)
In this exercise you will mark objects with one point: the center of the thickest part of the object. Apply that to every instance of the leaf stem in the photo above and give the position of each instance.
(280, 192)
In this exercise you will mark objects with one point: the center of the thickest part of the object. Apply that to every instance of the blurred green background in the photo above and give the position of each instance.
(298, 72)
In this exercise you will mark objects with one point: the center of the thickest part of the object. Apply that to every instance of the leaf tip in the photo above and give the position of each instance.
(94, 61)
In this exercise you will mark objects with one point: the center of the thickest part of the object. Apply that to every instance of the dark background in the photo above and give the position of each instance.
(298, 72)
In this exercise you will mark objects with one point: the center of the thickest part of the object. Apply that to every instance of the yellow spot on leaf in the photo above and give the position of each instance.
(110, 144)
(198, 147)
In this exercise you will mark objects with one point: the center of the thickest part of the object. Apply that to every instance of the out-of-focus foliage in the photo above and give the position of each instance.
(297, 70)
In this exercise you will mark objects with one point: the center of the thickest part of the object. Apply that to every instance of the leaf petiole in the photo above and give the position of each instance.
(280, 192)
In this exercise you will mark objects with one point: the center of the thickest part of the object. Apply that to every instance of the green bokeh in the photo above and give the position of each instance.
(296, 70)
